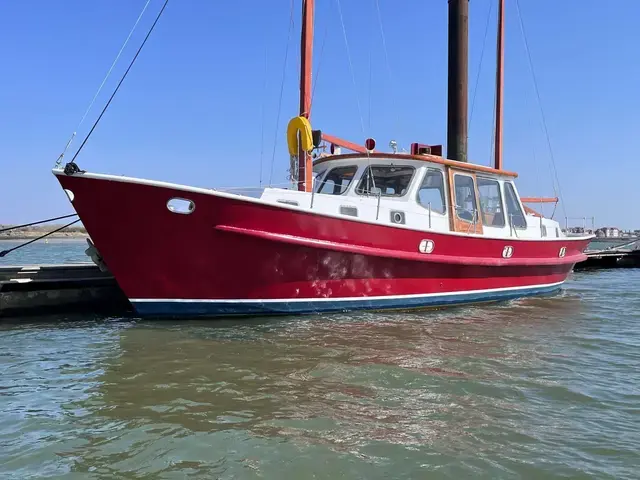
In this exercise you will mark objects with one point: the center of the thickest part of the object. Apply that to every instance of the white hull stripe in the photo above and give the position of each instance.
(348, 299)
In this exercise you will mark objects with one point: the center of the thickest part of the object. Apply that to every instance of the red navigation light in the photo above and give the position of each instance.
(370, 144)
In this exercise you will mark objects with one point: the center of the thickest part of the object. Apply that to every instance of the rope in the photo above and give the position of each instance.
(484, 43)
(38, 223)
(284, 71)
(5, 252)
(544, 122)
(121, 80)
(59, 161)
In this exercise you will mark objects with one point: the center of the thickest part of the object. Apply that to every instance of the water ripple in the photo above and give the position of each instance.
(546, 387)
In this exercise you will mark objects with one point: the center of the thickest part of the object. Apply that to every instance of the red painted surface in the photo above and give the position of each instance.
(236, 249)
(354, 147)
(419, 148)
(305, 163)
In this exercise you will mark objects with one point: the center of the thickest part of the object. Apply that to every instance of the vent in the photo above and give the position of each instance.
(422, 149)
(397, 217)
(289, 202)
(346, 210)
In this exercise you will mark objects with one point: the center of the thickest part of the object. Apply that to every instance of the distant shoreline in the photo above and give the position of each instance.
(30, 233)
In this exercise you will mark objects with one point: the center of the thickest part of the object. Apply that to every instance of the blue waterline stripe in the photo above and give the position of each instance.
(212, 308)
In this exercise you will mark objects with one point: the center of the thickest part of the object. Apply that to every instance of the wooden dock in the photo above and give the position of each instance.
(610, 258)
(30, 290)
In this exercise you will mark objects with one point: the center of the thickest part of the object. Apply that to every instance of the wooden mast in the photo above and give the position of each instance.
(305, 166)
(499, 86)
(457, 103)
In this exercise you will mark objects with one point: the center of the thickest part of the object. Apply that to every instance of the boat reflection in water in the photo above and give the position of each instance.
(213, 397)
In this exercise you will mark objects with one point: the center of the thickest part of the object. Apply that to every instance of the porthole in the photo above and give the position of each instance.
(181, 205)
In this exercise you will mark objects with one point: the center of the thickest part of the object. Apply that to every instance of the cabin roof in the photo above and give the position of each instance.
(424, 158)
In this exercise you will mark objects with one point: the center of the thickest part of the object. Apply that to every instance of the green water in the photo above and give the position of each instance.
(536, 388)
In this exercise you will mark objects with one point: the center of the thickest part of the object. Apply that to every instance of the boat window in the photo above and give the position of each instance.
(490, 202)
(337, 181)
(516, 216)
(431, 193)
(385, 180)
(465, 194)
(318, 176)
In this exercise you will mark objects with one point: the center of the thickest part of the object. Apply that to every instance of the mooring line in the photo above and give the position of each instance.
(5, 252)
(38, 223)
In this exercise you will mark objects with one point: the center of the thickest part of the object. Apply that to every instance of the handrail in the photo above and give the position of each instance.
(424, 158)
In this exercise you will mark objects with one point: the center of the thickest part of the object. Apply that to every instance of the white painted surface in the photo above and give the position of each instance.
(337, 299)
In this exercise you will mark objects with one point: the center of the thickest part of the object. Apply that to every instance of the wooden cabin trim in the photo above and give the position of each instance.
(470, 167)
(457, 224)
(539, 199)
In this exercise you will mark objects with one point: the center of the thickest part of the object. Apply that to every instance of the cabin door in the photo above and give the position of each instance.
(464, 213)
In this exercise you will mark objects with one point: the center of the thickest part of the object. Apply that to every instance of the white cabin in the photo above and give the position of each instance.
(425, 193)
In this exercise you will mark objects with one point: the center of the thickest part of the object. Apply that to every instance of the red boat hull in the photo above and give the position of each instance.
(240, 256)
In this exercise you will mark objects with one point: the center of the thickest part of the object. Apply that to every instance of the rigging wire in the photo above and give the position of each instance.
(121, 80)
(93, 100)
(353, 78)
(262, 110)
(394, 103)
(284, 72)
(355, 87)
(370, 84)
(544, 123)
(320, 57)
(492, 149)
(484, 43)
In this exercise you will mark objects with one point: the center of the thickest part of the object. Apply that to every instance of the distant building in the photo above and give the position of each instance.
(608, 232)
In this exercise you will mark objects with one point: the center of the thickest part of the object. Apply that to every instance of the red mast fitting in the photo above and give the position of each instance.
(305, 166)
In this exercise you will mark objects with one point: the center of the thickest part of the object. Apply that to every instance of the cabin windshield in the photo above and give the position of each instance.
(431, 192)
(385, 180)
(490, 202)
(337, 181)
(514, 211)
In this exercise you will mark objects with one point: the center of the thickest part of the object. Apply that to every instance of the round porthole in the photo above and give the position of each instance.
(507, 252)
(181, 205)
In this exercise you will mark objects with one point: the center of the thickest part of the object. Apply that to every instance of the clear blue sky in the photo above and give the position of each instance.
(190, 110)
